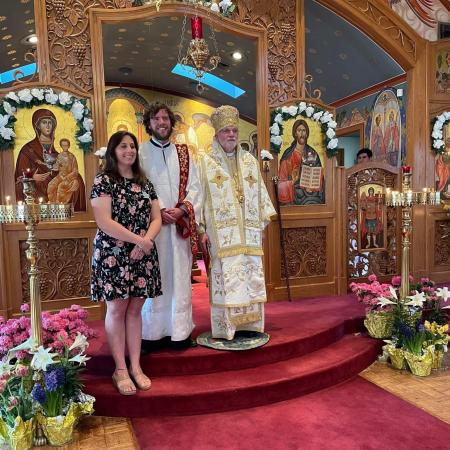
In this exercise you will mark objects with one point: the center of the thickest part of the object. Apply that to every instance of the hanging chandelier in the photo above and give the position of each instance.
(197, 57)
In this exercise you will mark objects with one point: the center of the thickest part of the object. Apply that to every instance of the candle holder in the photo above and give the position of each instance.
(31, 213)
(406, 199)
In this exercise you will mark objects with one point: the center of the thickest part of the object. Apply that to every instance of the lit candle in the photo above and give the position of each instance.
(28, 173)
(196, 27)
(423, 196)
(409, 197)
(8, 198)
(438, 198)
(41, 199)
(388, 198)
(406, 169)
(20, 202)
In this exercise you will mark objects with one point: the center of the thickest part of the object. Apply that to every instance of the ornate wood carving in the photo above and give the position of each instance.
(69, 40)
(279, 19)
(441, 243)
(306, 251)
(64, 268)
(392, 30)
(361, 264)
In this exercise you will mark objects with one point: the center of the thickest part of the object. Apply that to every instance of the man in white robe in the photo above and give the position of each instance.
(174, 176)
(235, 212)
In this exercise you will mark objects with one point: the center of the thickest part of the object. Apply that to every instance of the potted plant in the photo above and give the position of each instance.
(57, 390)
(437, 337)
(17, 421)
(417, 351)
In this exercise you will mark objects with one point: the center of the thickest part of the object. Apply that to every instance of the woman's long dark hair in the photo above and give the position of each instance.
(111, 168)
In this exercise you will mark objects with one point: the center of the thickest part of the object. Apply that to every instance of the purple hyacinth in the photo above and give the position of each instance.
(405, 330)
(54, 379)
(38, 393)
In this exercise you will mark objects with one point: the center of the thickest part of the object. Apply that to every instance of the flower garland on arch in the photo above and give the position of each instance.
(437, 134)
(27, 98)
(308, 110)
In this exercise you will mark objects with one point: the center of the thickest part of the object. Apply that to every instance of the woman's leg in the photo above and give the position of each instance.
(116, 311)
(134, 337)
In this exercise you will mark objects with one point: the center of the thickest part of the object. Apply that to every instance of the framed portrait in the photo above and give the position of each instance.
(46, 143)
(302, 162)
(443, 167)
(440, 70)
(372, 225)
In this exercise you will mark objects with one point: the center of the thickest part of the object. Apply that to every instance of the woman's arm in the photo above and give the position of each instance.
(101, 207)
(155, 221)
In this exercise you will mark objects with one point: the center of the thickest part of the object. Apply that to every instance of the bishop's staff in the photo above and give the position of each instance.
(283, 250)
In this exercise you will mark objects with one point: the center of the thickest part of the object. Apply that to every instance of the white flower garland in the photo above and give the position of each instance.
(324, 118)
(27, 98)
(438, 131)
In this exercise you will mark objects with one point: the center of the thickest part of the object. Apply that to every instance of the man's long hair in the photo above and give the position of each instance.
(151, 112)
(111, 168)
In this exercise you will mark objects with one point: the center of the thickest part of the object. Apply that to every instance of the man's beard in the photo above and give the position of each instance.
(302, 141)
(157, 136)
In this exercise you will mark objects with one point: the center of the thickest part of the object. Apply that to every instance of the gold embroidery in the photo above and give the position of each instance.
(251, 180)
(219, 179)
(245, 318)
(238, 250)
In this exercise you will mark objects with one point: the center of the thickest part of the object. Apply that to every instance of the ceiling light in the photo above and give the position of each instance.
(30, 40)
(237, 55)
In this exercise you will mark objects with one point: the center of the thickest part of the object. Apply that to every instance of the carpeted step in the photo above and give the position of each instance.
(295, 328)
(244, 388)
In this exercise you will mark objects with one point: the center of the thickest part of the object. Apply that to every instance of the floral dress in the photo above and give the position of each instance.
(114, 273)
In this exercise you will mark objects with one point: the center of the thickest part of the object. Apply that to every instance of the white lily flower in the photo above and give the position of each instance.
(80, 342)
(393, 292)
(443, 292)
(265, 155)
(5, 368)
(65, 98)
(42, 358)
(416, 300)
(383, 301)
(25, 95)
(4, 119)
(12, 96)
(275, 129)
(86, 137)
(330, 133)
(77, 110)
(332, 144)
(81, 359)
(88, 124)
(7, 133)
(37, 93)
(277, 140)
(8, 108)
(278, 118)
(101, 152)
(309, 111)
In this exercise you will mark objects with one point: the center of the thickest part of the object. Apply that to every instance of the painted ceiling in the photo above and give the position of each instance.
(341, 58)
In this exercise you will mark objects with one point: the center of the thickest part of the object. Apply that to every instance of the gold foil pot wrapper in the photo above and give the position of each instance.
(437, 359)
(21, 436)
(379, 324)
(420, 365)
(397, 357)
(59, 430)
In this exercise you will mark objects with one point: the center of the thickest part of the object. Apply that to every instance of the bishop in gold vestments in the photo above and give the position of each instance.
(236, 209)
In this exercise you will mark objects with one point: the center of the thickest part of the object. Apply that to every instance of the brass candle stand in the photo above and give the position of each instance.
(31, 213)
(407, 199)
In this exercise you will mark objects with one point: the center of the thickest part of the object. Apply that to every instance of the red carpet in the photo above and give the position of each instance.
(355, 415)
(313, 345)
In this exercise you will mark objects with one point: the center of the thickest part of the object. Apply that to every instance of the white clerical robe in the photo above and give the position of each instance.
(171, 313)
(236, 210)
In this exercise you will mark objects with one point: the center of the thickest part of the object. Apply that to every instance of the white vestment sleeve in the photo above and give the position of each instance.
(194, 194)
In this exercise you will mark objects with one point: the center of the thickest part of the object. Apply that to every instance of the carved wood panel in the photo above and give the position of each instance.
(279, 19)
(69, 40)
(384, 262)
(64, 269)
(306, 252)
(441, 243)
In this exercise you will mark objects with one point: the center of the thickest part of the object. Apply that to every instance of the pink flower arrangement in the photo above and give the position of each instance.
(58, 330)
(368, 293)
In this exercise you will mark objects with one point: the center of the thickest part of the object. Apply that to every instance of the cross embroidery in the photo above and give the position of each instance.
(219, 179)
(250, 179)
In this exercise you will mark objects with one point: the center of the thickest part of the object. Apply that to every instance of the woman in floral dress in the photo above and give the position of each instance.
(125, 268)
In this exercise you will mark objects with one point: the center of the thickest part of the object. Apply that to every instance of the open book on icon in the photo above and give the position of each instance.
(311, 178)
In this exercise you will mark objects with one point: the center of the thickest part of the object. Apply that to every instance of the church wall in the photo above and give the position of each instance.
(65, 58)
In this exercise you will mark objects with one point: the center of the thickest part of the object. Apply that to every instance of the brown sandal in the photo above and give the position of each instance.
(142, 381)
(123, 383)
